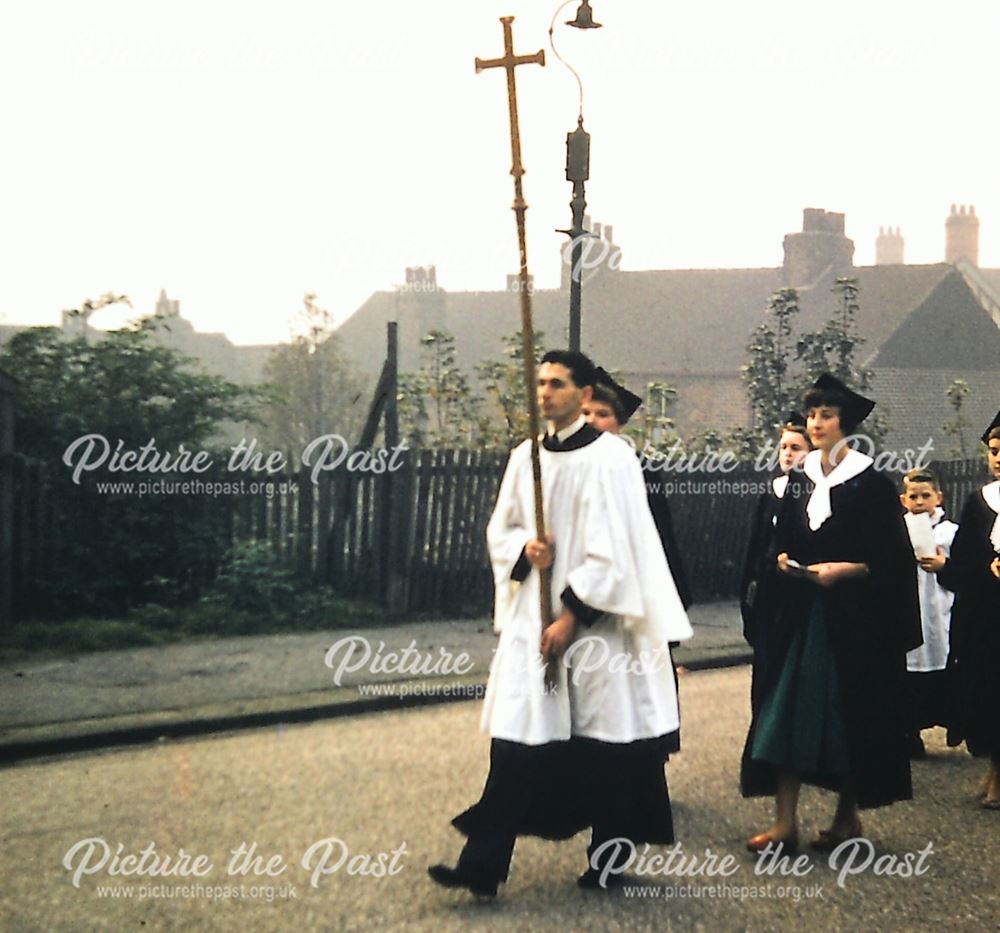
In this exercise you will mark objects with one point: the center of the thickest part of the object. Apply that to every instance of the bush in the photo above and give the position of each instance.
(253, 595)
(114, 547)
(253, 580)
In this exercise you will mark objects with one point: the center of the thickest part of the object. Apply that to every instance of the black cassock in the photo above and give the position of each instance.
(975, 627)
(758, 591)
(871, 622)
(760, 572)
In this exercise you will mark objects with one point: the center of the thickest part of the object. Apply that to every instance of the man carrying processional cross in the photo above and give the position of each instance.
(581, 702)
(588, 750)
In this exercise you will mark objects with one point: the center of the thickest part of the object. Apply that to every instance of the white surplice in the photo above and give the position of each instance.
(621, 685)
(935, 606)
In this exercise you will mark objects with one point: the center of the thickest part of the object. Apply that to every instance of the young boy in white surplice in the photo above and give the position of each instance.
(929, 682)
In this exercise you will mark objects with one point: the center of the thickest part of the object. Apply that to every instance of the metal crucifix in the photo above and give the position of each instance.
(509, 62)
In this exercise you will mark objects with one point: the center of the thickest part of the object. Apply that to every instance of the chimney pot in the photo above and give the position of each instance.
(889, 247)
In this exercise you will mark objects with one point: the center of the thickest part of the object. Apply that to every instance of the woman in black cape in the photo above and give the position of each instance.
(973, 572)
(759, 582)
(830, 711)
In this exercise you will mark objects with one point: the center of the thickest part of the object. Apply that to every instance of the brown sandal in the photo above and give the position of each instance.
(761, 841)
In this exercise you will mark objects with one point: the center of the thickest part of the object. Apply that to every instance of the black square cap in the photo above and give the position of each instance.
(995, 423)
(628, 401)
(856, 407)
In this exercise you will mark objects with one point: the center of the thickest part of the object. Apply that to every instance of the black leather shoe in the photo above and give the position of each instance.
(462, 878)
(590, 880)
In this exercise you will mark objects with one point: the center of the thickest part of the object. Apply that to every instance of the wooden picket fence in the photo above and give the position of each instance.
(413, 540)
(959, 479)
(34, 536)
(419, 535)
(712, 515)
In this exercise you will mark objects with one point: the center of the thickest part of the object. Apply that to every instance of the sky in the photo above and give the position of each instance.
(241, 154)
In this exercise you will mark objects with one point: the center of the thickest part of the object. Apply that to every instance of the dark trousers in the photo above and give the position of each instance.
(529, 791)
(554, 791)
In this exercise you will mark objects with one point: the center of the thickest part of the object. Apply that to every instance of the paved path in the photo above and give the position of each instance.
(208, 680)
(379, 781)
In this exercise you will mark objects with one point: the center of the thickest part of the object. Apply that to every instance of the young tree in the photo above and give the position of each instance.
(771, 388)
(503, 382)
(312, 389)
(411, 405)
(782, 366)
(957, 393)
(834, 349)
(436, 405)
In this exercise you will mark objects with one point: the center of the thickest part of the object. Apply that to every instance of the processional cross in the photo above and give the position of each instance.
(509, 62)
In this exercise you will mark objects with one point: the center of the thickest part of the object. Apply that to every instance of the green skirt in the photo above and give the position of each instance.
(801, 724)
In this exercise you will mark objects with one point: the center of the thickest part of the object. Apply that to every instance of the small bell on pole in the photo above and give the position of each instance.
(584, 17)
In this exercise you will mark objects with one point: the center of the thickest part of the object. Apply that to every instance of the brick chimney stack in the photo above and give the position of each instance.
(820, 249)
(962, 235)
(889, 247)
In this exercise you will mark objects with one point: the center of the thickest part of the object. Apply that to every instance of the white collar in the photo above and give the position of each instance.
(937, 516)
(779, 484)
(851, 464)
(991, 493)
(570, 430)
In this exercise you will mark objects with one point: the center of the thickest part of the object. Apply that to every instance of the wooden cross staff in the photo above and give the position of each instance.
(509, 62)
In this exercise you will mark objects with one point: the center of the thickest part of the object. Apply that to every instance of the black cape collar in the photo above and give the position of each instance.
(581, 438)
